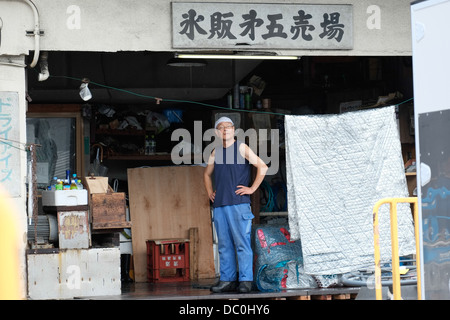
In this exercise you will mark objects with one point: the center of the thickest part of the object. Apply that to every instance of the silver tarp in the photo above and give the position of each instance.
(338, 167)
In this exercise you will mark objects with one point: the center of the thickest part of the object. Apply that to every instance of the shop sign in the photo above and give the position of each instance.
(9, 147)
(261, 26)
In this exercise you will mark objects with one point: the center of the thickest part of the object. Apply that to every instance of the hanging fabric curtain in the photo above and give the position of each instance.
(338, 167)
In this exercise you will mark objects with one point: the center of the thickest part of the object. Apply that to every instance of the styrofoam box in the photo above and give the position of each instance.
(64, 197)
(74, 273)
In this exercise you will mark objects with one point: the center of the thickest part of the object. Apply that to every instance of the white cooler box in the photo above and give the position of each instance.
(52, 198)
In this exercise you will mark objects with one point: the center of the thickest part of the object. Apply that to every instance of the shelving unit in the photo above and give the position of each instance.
(124, 132)
(131, 135)
(163, 156)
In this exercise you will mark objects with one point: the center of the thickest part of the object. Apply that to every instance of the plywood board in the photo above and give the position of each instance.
(165, 202)
(74, 273)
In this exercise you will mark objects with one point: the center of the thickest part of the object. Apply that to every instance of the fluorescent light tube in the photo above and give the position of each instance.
(234, 56)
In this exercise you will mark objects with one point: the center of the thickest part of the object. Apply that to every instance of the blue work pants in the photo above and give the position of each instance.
(233, 226)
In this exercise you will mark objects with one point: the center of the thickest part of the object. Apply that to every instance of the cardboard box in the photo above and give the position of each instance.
(96, 184)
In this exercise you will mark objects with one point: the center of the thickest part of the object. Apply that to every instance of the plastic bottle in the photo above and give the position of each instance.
(259, 104)
(230, 100)
(73, 185)
(75, 179)
(79, 185)
(54, 182)
(241, 98)
(236, 96)
(248, 99)
(59, 185)
(147, 146)
(66, 185)
(68, 176)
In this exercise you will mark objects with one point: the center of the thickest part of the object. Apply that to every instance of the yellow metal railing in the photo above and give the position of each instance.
(394, 243)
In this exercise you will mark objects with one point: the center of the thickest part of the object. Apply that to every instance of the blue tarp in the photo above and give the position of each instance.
(278, 260)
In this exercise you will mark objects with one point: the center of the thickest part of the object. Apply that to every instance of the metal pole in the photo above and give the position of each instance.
(376, 238)
(394, 244)
(416, 234)
(395, 259)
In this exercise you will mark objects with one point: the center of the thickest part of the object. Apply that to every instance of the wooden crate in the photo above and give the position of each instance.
(108, 211)
(168, 254)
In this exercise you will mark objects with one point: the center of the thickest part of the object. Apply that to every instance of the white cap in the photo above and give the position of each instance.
(223, 119)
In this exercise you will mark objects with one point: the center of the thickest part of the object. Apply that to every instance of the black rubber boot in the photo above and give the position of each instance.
(125, 260)
(245, 286)
(224, 286)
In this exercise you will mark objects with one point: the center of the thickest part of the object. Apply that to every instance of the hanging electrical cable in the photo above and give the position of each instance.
(159, 100)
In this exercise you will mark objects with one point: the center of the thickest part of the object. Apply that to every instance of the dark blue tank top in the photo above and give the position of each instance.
(230, 170)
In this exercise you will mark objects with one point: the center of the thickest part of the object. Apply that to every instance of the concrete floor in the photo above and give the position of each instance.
(200, 290)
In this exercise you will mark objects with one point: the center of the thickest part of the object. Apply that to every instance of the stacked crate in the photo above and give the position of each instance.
(168, 260)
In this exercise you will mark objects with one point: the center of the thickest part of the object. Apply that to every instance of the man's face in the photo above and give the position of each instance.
(225, 130)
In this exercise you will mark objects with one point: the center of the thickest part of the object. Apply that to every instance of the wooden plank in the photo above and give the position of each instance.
(111, 225)
(299, 298)
(165, 202)
(321, 297)
(342, 296)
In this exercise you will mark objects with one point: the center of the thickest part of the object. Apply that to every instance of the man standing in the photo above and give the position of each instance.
(231, 202)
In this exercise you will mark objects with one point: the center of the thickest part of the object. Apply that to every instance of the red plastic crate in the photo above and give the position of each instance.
(168, 254)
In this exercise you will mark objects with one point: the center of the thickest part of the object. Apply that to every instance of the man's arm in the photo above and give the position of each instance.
(261, 167)
(207, 177)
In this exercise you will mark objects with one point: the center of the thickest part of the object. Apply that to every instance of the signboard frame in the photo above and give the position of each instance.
(201, 25)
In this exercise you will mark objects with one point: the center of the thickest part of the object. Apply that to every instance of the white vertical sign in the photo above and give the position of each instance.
(9, 146)
(431, 68)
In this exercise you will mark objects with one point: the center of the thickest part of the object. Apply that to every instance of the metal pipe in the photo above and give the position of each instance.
(36, 32)
(418, 257)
